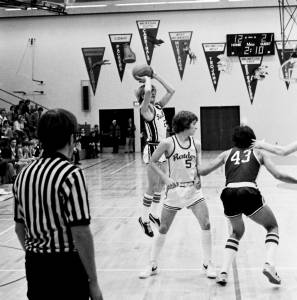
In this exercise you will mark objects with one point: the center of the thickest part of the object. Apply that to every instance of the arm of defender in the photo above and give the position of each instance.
(162, 148)
(278, 150)
(169, 90)
(271, 168)
(213, 165)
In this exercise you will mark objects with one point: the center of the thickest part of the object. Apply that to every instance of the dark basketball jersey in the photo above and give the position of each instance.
(241, 166)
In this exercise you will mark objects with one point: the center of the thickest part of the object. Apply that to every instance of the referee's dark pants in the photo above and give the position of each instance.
(56, 276)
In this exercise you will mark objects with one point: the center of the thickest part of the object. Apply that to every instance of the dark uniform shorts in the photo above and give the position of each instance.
(242, 200)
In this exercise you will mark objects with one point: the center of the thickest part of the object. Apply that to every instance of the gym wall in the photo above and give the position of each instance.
(59, 62)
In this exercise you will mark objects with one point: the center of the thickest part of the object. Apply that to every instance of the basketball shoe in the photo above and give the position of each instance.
(146, 227)
(210, 270)
(155, 220)
(222, 278)
(150, 270)
(271, 274)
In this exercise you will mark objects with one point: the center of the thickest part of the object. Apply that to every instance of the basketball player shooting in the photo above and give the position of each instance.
(156, 129)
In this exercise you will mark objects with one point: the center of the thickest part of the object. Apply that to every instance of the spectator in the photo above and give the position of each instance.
(130, 137)
(115, 134)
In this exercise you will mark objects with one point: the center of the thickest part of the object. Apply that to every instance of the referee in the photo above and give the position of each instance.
(52, 217)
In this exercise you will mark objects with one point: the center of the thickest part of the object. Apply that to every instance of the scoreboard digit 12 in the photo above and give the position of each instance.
(250, 44)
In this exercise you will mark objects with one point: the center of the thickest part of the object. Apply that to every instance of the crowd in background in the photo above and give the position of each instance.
(19, 144)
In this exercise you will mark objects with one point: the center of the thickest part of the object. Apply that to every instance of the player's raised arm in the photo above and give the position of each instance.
(147, 95)
(169, 90)
(276, 149)
(213, 165)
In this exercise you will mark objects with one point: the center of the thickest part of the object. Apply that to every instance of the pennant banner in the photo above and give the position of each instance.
(93, 60)
(180, 42)
(285, 55)
(212, 51)
(117, 43)
(148, 31)
(248, 66)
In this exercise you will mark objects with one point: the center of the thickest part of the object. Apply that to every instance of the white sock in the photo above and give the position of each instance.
(157, 246)
(206, 245)
(147, 203)
(230, 251)
(145, 214)
(155, 209)
(271, 243)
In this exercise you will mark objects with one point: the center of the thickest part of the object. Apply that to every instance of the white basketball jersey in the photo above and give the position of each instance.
(156, 129)
(182, 162)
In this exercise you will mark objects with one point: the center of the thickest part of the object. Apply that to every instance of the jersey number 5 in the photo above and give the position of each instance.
(188, 163)
(236, 157)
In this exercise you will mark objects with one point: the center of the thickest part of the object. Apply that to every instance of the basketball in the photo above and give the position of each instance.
(141, 71)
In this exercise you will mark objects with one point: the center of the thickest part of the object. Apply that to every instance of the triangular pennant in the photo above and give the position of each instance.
(180, 42)
(148, 31)
(117, 43)
(93, 60)
(248, 66)
(285, 55)
(211, 51)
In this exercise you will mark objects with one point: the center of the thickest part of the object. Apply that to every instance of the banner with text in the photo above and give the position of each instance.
(180, 42)
(117, 43)
(148, 31)
(285, 55)
(248, 66)
(211, 51)
(93, 59)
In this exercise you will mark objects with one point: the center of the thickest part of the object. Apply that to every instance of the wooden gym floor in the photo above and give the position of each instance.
(116, 184)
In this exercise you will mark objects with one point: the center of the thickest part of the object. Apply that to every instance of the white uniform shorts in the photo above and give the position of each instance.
(180, 197)
(148, 151)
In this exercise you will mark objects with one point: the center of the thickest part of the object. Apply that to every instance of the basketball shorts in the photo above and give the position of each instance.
(180, 197)
(148, 152)
(241, 200)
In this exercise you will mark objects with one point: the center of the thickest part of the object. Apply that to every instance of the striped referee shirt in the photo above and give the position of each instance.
(50, 196)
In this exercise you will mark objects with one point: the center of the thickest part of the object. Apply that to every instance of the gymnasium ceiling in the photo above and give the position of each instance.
(29, 8)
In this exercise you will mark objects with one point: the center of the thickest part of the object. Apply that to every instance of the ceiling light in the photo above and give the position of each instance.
(12, 9)
(141, 3)
(86, 6)
(166, 2)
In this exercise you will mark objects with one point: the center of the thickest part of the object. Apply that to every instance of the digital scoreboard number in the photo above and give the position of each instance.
(250, 44)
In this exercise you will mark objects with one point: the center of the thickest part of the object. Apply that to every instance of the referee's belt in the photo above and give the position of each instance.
(242, 184)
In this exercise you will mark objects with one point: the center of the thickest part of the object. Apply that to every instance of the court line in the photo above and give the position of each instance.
(123, 167)
(236, 281)
(9, 228)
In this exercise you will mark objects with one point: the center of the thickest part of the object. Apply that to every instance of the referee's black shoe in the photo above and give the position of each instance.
(146, 227)
(155, 220)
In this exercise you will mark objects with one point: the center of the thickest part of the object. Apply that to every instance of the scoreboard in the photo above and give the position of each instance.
(250, 44)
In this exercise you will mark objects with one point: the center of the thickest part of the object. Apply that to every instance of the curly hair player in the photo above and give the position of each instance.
(183, 188)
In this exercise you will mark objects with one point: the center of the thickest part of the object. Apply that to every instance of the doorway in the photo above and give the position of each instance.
(217, 123)
(105, 118)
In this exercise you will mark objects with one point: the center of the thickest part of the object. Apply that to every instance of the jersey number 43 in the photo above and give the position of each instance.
(239, 160)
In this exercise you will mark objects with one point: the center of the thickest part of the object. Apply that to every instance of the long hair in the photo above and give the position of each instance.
(140, 93)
